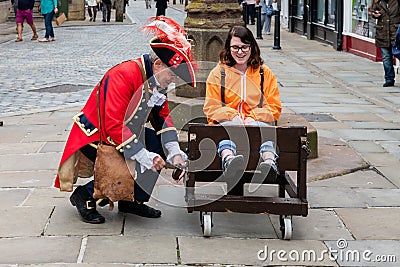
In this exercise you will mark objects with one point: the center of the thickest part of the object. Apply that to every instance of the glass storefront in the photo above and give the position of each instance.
(362, 24)
(300, 8)
(326, 12)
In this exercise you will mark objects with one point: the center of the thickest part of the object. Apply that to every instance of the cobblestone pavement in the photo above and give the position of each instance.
(29, 71)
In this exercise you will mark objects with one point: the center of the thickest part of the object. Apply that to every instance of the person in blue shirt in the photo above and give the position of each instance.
(48, 8)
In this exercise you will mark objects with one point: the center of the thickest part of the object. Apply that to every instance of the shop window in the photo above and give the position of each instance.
(331, 12)
(362, 24)
(326, 12)
(300, 8)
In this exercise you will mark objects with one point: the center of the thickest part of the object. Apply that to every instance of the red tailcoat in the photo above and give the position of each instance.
(123, 113)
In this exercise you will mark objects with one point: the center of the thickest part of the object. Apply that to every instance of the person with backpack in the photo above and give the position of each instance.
(242, 90)
(266, 14)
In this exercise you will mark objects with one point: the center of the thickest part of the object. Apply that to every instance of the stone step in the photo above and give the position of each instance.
(185, 110)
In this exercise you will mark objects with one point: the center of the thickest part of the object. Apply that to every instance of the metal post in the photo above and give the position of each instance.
(277, 33)
(245, 14)
(1, 123)
(259, 26)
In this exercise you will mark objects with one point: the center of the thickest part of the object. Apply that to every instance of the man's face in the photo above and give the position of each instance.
(164, 75)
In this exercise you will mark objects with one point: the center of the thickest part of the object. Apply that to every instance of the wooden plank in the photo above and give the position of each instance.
(253, 205)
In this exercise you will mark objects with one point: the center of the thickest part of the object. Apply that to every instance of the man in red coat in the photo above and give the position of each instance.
(124, 112)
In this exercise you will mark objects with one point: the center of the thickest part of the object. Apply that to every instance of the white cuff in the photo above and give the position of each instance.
(173, 150)
(145, 159)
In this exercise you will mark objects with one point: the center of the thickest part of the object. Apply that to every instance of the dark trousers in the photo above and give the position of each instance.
(252, 13)
(145, 182)
(48, 18)
(160, 11)
(106, 12)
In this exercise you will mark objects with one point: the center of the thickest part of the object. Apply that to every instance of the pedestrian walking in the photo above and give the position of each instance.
(124, 111)
(92, 10)
(251, 7)
(242, 90)
(387, 13)
(266, 15)
(48, 8)
(161, 6)
(24, 12)
(106, 10)
(148, 4)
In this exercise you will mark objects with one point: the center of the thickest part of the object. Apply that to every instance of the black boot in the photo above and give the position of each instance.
(86, 206)
(137, 208)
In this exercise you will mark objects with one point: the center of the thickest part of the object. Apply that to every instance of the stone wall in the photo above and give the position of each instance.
(5, 7)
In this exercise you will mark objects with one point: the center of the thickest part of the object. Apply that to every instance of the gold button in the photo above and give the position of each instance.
(130, 123)
(140, 108)
(121, 150)
(135, 141)
(128, 147)
(135, 117)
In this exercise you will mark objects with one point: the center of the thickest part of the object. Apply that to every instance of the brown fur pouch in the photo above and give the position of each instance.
(113, 178)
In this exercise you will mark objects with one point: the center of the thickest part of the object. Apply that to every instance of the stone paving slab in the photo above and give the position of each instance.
(65, 220)
(253, 252)
(23, 221)
(391, 173)
(327, 197)
(320, 224)
(372, 125)
(26, 179)
(38, 250)
(52, 147)
(122, 249)
(356, 134)
(20, 148)
(13, 197)
(29, 162)
(330, 153)
(357, 117)
(381, 159)
(372, 223)
(366, 146)
(366, 252)
(177, 221)
(358, 179)
(50, 196)
(381, 197)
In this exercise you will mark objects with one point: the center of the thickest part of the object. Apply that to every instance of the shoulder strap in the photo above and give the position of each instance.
(223, 86)
(261, 87)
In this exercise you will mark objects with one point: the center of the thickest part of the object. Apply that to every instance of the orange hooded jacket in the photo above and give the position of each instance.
(242, 95)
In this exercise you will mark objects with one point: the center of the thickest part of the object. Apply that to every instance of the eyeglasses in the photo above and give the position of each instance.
(236, 48)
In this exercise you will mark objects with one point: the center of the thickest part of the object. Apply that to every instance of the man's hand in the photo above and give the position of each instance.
(158, 163)
(180, 164)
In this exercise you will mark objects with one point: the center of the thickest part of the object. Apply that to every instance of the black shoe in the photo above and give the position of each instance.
(233, 166)
(86, 206)
(269, 171)
(137, 208)
(388, 84)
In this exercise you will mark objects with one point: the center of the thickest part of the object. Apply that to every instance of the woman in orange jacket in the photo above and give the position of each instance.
(241, 90)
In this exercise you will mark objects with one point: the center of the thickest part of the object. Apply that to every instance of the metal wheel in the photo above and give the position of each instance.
(286, 227)
(206, 223)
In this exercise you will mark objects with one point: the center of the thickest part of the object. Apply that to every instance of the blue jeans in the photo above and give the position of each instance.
(266, 21)
(267, 146)
(387, 60)
(48, 18)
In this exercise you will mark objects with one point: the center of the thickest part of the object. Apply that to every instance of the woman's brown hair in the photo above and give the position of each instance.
(247, 37)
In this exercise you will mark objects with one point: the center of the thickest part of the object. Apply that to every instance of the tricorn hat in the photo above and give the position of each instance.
(172, 47)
